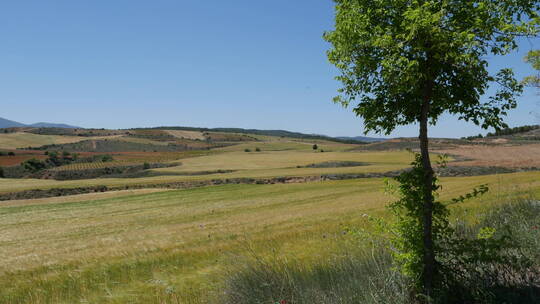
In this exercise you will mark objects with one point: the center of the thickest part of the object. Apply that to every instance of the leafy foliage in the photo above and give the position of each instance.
(390, 52)
(404, 62)
(34, 165)
(533, 58)
(465, 262)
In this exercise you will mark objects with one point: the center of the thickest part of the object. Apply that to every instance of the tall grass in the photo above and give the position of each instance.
(359, 276)
(364, 275)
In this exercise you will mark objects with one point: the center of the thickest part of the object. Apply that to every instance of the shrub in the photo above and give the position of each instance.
(315, 147)
(1, 172)
(247, 150)
(11, 153)
(469, 265)
(257, 149)
(33, 165)
(2, 153)
(106, 158)
(146, 166)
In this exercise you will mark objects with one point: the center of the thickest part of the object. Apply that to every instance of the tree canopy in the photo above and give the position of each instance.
(533, 58)
(390, 52)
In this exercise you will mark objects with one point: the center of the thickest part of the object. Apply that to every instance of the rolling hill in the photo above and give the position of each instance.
(6, 123)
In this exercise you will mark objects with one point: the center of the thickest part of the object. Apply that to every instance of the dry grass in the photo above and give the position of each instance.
(80, 197)
(144, 248)
(500, 155)
(285, 160)
(186, 134)
(23, 140)
(249, 165)
(146, 141)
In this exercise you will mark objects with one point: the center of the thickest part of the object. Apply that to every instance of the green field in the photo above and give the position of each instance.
(24, 140)
(151, 248)
(176, 246)
(249, 165)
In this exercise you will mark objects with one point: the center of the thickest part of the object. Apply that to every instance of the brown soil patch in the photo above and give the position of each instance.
(503, 156)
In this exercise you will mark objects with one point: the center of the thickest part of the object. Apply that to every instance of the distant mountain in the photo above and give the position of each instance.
(6, 123)
(363, 138)
(52, 125)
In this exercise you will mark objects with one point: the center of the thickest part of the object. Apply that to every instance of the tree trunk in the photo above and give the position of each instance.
(429, 267)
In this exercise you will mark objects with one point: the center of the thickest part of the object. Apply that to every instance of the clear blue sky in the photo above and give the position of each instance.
(214, 63)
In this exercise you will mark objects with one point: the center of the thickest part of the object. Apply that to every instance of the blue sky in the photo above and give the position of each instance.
(214, 63)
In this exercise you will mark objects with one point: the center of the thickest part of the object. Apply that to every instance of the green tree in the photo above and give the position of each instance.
(315, 147)
(410, 61)
(533, 58)
(33, 165)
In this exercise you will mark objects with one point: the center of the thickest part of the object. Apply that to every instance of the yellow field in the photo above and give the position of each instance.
(145, 141)
(24, 140)
(186, 134)
(249, 165)
(145, 248)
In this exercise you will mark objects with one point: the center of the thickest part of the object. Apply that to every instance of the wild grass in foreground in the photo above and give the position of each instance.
(363, 275)
(173, 246)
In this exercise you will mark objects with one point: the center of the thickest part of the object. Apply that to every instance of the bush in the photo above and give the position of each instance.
(146, 166)
(33, 165)
(1, 172)
(257, 149)
(106, 158)
(315, 147)
(247, 150)
(11, 153)
(471, 267)
(2, 153)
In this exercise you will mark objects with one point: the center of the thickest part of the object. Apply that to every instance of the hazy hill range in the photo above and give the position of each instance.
(363, 138)
(6, 123)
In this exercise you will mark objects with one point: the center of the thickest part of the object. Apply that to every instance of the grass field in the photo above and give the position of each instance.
(24, 140)
(186, 134)
(248, 165)
(177, 246)
(171, 247)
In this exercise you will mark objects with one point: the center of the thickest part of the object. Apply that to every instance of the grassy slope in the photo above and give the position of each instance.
(160, 247)
(252, 165)
(23, 140)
